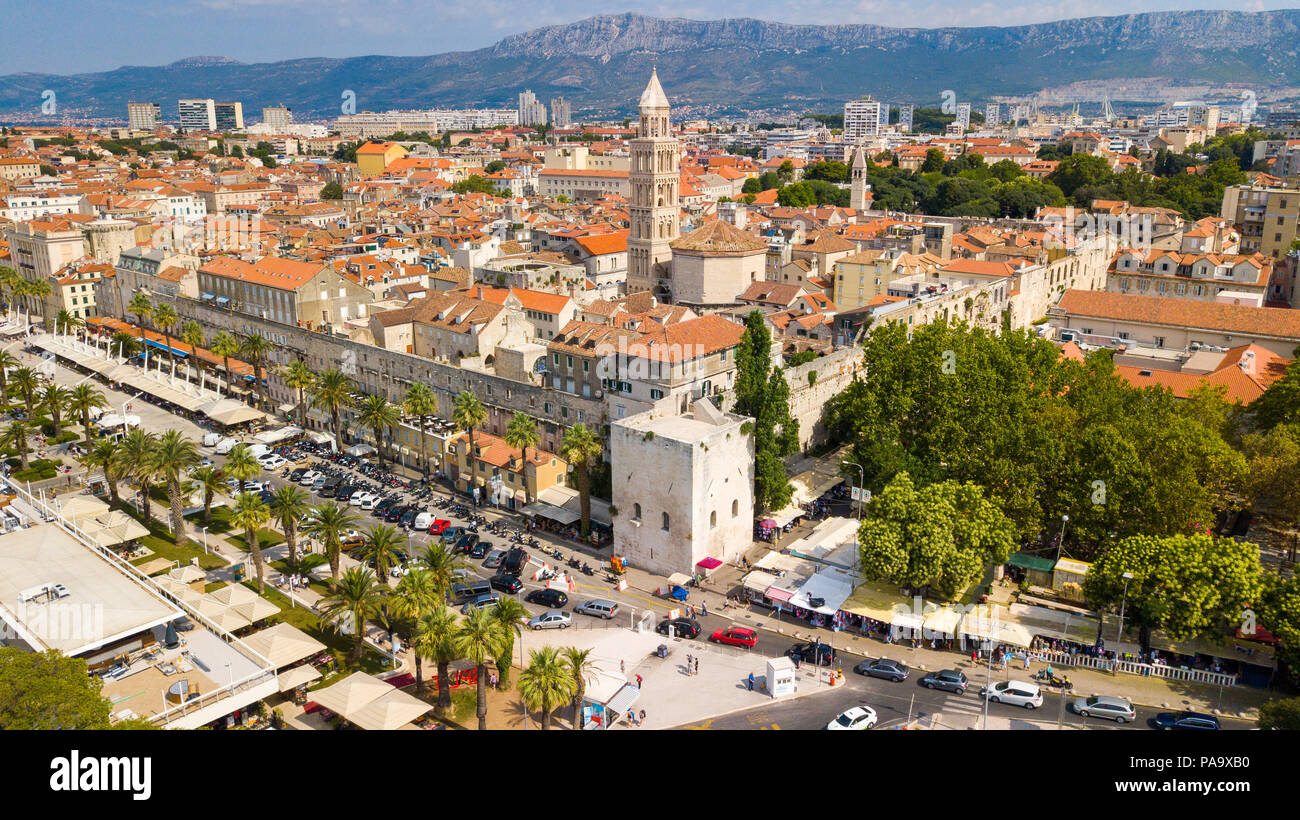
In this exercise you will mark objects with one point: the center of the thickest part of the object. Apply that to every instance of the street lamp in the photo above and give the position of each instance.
(1061, 543)
(862, 476)
(205, 541)
(1119, 634)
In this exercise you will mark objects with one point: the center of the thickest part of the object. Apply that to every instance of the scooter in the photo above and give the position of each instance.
(587, 570)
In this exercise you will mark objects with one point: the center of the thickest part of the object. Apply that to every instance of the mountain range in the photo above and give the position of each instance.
(719, 67)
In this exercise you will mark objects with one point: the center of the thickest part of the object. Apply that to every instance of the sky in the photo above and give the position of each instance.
(74, 36)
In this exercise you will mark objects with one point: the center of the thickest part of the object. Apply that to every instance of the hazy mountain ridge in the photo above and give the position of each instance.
(600, 64)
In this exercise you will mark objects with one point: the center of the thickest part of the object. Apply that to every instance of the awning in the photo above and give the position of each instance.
(778, 594)
(272, 436)
(223, 300)
(298, 676)
(758, 581)
(168, 348)
(320, 437)
(1036, 563)
(831, 585)
(207, 297)
(623, 699)
(284, 644)
(780, 519)
(360, 450)
(557, 514)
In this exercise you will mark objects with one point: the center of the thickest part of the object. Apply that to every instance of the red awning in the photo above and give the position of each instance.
(778, 594)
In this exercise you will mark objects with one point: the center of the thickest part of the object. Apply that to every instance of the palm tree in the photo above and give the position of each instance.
(469, 413)
(420, 402)
(442, 565)
(546, 683)
(66, 322)
(39, 290)
(331, 521)
(137, 446)
(512, 616)
(242, 465)
(208, 479)
(287, 507)
(143, 309)
(9, 361)
(25, 382)
(380, 543)
(251, 514)
(583, 669)
(192, 335)
(165, 318)
(225, 346)
(357, 594)
(9, 280)
(579, 448)
(479, 640)
(297, 375)
(54, 398)
(106, 455)
(15, 436)
(332, 392)
(414, 596)
(126, 344)
(521, 432)
(376, 413)
(82, 400)
(172, 456)
(257, 348)
(435, 638)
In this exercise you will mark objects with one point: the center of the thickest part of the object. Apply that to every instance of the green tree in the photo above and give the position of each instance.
(328, 525)
(512, 616)
(165, 319)
(938, 537)
(298, 376)
(478, 639)
(288, 506)
(381, 544)
(105, 455)
(171, 459)
(1280, 714)
(582, 669)
(443, 566)
(580, 447)
(242, 465)
(54, 398)
(356, 597)
(143, 309)
(474, 184)
(546, 684)
(225, 346)
(250, 514)
(257, 348)
(420, 402)
(934, 161)
(762, 393)
(330, 394)
(208, 480)
(376, 413)
(1280, 402)
(1279, 612)
(414, 597)
(46, 690)
(137, 451)
(469, 413)
(522, 432)
(332, 191)
(16, 436)
(1273, 470)
(25, 383)
(1186, 585)
(435, 638)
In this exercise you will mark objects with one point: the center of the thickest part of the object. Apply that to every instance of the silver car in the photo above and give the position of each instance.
(494, 559)
(1105, 706)
(555, 619)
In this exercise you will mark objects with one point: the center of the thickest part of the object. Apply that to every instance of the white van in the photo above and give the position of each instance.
(258, 450)
(423, 521)
(226, 445)
(211, 439)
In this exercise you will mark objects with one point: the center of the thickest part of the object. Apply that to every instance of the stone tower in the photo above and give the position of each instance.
(858, 192)
(654, 179)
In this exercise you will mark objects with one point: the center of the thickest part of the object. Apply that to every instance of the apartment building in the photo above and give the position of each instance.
(308, 294)
(1267, 216)
(14, 169)
(583, 185)
(29, 205)
(143, 116)
(674, 365)
(451, 327)
(497, 472)
(864, 119)
(1234, 278)
(369, 124)
(579, 357)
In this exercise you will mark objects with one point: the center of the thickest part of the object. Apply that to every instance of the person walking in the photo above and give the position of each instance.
(704, 609)
(1026, 659)
(622, 667)
(638, 681)
(697, 666)
(751, 681)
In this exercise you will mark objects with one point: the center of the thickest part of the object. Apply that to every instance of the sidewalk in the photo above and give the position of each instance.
(1234, 701)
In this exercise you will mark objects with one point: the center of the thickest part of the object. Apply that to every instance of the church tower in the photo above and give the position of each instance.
(654, 210)
(858, 191)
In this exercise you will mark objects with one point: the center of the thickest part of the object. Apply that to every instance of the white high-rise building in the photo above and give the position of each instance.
(992, 115)
(531, 110)
(229, 116)
(864, 119)
(143, 116)
(277, 118)
(963, 116)
(905, 112)
(561, 114)
(654, 209)
(197, 115)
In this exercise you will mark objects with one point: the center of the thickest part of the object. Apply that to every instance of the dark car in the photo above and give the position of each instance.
(267, 496)
(824, 654)
(949, 680)
(1191, 721)
(552, 598)
(452, 534)
(395, 513)
(514, 562)
(408, 517)
(345, 492)
(506, 583)
(883, 668)
(466, 542)
(480, 549)
(381, 509)
(681, 627)
(330, 487)
(297, 474)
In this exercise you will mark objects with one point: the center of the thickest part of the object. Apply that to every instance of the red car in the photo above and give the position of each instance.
(735, 636)
(439, 526)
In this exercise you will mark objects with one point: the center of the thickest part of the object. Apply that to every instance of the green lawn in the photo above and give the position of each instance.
(160, 541)
(266, 538)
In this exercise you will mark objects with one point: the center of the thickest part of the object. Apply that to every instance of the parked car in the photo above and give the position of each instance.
(439, 526)
(820, 653)
(547, 597)
(396, 512)
(857, 717)
(451, 535)
(1185, 721)
(679, 627)
(506, 583)
(493, 559)
(481, 602)
(1015, 693)
(297, 474)
(949, 680)
(555, 619)
(359, 498)
(373, 501)
(598, 608)
(895, 671)
(735, 636)
(408, 517)
(466, 542)
(482, 548)
(1105, 706)
(423, 520)
(307, 477)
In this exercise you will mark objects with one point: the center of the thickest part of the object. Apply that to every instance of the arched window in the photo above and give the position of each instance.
(713, 518)
(665, 522)
(636, 512)
(735, 507)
